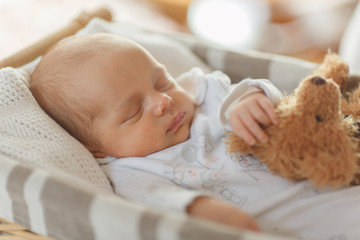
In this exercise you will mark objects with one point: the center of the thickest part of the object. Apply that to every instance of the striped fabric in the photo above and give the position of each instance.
(284, 72)
(63, 205)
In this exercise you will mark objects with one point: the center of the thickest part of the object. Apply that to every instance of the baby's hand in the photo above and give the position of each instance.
(247, 115)
(221, 212)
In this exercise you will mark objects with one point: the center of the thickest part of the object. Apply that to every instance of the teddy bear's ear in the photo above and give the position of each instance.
(318, 80)
(334, 67)
(352, 83)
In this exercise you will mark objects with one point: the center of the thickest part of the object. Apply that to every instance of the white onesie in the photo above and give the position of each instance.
(171, 178)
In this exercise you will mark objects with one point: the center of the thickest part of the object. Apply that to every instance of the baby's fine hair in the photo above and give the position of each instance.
(52, 86)
(56, 87)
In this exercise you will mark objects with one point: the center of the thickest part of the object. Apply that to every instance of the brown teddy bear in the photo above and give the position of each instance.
(334, 67)
(313, 140)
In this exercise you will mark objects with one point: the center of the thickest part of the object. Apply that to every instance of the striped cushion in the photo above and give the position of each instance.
(60, 206)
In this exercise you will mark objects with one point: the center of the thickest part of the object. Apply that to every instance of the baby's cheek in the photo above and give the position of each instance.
(184, 133)
(151, 140)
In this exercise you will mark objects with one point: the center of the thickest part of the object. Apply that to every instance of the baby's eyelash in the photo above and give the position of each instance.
(165, 84)
(136, 113)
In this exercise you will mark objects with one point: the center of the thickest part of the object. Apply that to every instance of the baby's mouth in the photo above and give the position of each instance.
(176, 122)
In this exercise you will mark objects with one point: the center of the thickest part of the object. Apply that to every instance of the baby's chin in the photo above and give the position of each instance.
(181, 136)
(168, 143)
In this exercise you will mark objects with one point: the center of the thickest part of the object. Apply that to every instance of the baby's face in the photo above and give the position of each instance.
(142, 109)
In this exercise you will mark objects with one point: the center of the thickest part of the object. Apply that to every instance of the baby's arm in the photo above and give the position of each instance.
(221, 212)
(248, 105)
(247, 116)
(163, 194)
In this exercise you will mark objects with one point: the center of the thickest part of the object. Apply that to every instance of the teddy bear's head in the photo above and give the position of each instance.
(313, 139)
(317, 100)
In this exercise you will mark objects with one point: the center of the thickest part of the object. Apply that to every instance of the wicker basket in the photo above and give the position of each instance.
(9, 230)
(12, 231)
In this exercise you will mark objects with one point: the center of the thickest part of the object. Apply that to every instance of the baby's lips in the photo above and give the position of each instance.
(176, 122)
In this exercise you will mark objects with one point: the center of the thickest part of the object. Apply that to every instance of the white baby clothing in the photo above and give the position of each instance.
(171, 178)
(199, 164)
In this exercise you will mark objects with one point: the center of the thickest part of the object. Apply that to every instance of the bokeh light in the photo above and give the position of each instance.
(232, 23)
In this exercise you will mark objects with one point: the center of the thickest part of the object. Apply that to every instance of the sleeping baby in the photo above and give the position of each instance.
(160, 141)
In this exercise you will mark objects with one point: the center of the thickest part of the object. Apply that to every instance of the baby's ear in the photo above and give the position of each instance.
(95, 153)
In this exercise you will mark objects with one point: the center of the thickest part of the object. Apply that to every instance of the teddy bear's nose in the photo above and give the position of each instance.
(318, 81)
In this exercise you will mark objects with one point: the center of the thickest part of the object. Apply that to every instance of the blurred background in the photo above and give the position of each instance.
(304, 29)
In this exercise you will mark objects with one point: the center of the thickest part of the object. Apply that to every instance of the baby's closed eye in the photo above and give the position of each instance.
(165, 82)
(135, 114)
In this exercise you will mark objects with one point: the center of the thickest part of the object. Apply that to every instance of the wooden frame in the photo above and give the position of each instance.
(37, 49)
(12, 231)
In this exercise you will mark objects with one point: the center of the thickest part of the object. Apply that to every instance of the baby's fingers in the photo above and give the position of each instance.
(248, 129)
(269, 110)
(241, 131)
(260, 115)
(255, 130)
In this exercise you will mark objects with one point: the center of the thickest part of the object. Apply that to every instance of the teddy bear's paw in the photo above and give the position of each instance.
(285, 168)
(336, 173)
(236, 144)
(356, 180)
(351, 105)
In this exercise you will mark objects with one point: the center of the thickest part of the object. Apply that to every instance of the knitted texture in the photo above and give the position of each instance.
(29, 135)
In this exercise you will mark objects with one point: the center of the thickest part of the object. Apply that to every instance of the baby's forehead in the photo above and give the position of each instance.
(103, 54)
(102, 41)
(84, 48)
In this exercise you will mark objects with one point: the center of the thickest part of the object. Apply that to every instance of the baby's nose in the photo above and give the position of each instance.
(162, 103)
